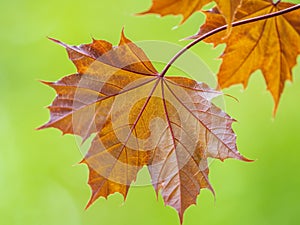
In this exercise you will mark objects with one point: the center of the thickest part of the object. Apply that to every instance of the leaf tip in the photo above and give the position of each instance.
(180, 219)
(48, 83)
(242, 158)
(211, 189)
(88, 205)
(123, 30)
(234, 98)
(123, 40)
(39, 128)
(275, 109)
(42, 127)
(83, 161)
(180, 215)
(93, 198)
(58, 42)
(53, 39)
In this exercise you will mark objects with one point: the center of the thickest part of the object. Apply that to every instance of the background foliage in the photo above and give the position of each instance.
(39, 185)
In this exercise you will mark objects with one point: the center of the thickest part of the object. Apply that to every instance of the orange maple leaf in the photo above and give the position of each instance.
(271, 45)
(187, 7)
(140, 119)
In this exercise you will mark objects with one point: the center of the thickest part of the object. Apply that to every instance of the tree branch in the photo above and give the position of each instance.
(219, 29)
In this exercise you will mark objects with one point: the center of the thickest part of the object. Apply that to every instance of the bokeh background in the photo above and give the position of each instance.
(40, 181)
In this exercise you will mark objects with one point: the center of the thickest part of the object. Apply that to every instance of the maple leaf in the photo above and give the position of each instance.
(187, 7)
(270, 45)
(140, 119)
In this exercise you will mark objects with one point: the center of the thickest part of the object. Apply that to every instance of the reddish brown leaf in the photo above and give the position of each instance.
(140, 119)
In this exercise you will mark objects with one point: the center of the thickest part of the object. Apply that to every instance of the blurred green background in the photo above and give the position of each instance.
(39, 184)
